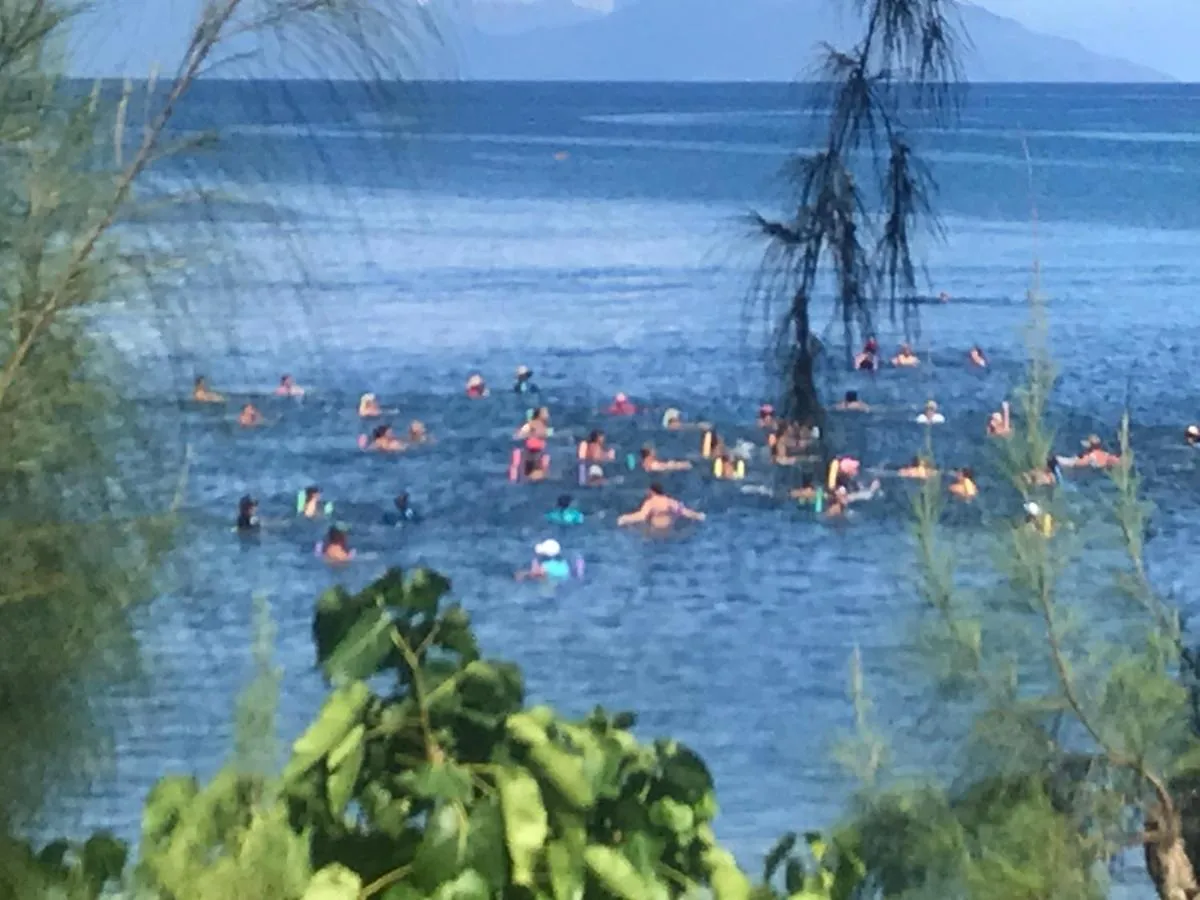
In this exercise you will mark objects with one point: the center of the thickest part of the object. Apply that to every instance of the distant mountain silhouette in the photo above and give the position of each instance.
(749, 40)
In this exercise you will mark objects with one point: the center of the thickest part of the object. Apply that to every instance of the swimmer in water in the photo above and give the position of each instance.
(383, 440)
(417, 433)
(766, 418)
(547, 565)
(534, 464)
(905, 358)
(596, 450)
(728, 467)
(537, 425)
(336, 546)
(566, 512)
(524, 381)
(659, 511)
(964, 487)
(651, 462)
(1048, 476)
(288, 388)
(250, 417)
(807, 492)
(201, 393)
(311, 507)
(1192, 435)
(867, 359)
(247, 519)
(476, 386)
(1094, 456)
(595, 476)
(976, 357)
(919, 469)
(402, 513)
(622, 406)
(1038, 520)
(931, 416)
(368, 407)
(1000, 423)
(851, 403)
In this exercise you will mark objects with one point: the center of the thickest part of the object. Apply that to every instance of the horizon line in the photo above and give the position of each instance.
(632, 82)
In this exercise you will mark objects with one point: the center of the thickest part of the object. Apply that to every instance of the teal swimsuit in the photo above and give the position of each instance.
(556, 569)
(568, 516)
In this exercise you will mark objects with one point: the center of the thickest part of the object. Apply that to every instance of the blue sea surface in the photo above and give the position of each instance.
(599, 234)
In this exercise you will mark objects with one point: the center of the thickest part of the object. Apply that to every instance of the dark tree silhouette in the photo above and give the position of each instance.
(862, 198)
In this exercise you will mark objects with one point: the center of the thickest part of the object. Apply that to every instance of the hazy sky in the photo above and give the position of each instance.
(1156, 33)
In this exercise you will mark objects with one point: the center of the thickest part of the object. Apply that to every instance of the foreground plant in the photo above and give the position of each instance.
(87, 495)
(1060, 712)
(905, 64)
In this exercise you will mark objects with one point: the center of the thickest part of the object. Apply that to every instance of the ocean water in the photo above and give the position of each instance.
(598, 234)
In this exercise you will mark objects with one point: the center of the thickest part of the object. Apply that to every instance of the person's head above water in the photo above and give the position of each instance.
(548, 549)
(851, 396)
(335, 537)
(647, 452)
(656, 489)
(565, 501)
(401, 501)
(1092, 442)
(1192, 434)
(380, 432)
(931, 406)
(595, 473)
(416, 429)
(247, 505)
(541, 414)
(524, 372)
(312, 492)
(595, 437)
(285, 381)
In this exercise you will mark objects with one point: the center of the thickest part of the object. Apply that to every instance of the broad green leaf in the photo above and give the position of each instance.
(774, 859)
(424, 590)
(334, 882)
(346, 747)
(469, 885)
(345, 762)
(615, 873)
(442, 852)
(438, 781)
(728, 881)
(564, 771)
(402, 891)
(486, 850)
(338, 716)
(672, 815)
(363, 649)
(685, 774)
(526, 728)
(526, 825)
(454, 633)
(565, 868)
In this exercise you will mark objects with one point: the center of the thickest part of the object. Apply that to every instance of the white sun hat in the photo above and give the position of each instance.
(548, 548)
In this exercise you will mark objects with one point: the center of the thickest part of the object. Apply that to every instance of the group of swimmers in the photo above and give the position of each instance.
(787, 443)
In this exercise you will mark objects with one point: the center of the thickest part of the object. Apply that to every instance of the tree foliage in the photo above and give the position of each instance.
(87, 492)
(1057, 692)
(860, 201)
(425, 775)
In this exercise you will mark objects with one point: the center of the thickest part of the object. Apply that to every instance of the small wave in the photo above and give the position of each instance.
(683, 119)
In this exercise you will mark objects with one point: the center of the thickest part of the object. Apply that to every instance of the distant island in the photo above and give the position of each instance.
(739, 40)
